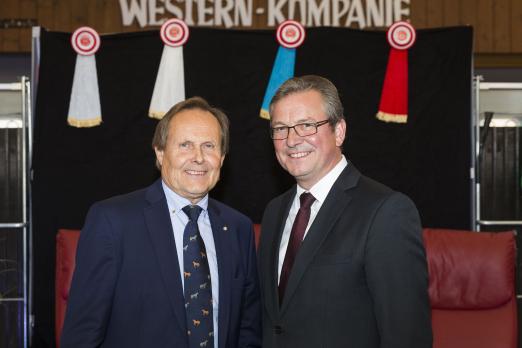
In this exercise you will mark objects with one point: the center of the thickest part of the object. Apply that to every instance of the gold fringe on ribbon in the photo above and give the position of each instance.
(395, 118)
(158, 115)
(264, 114)
(92, 122)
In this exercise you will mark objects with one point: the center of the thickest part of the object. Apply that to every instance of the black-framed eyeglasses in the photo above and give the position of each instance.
(302, 129)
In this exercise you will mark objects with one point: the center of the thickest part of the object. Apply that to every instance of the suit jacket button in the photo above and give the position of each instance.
(278, 330)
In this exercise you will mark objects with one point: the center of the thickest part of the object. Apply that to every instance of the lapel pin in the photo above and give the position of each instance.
(225, 228)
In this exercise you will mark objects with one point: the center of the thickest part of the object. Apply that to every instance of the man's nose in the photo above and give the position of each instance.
(293, 138)
(198, 154)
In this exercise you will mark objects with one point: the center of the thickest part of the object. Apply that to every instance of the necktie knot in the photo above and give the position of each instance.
(192, 211)
(307, 199)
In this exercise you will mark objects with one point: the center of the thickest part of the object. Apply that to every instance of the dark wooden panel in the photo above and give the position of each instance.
(484, 26)
(435, 14)
(112, 18)
(45, 13)
(451, 12)
(497, 60)
(28, 11)
(79, 14)
(497, 23)
(501, 26)
(418, 13)
(24, 40)
(468, 12)
(94, 10)
(11, 37)
(62, 16)
(516, 26)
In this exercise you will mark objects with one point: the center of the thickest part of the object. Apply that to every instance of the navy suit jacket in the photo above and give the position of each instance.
(126, 290)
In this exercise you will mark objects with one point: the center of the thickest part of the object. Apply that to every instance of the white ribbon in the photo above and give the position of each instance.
(170, 82)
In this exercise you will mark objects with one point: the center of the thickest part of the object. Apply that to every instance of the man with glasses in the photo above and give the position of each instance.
(341, 258)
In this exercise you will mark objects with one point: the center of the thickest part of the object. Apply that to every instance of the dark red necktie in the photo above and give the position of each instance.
(296, 237)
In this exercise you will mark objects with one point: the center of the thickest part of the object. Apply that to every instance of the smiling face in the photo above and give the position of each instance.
(308, 158)
(192, 157)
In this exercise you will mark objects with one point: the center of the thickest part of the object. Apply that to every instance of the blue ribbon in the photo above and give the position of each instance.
(282, 70)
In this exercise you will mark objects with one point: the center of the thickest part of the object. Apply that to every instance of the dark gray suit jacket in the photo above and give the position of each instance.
(360, 277)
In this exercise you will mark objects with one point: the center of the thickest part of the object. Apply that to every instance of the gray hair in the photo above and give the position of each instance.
(331, 101)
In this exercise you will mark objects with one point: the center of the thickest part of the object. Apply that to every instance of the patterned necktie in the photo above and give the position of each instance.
(296, 237)
(197, 283)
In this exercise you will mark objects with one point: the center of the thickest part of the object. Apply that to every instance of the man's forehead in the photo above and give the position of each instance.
(194, 127)
(297, 111)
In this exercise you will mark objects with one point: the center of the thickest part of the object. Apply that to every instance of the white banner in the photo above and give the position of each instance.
(241, 13)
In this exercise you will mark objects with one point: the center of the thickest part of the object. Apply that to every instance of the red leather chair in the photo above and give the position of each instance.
(257, 233)
(66, 242)
(472, 288)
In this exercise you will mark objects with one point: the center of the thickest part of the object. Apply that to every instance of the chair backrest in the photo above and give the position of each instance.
(472, 288)
(257, 234)
(66, 242)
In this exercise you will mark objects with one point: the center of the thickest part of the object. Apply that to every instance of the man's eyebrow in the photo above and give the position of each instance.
(303, 120)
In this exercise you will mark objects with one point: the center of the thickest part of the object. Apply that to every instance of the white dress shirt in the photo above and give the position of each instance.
(320, 190)
(179, 220)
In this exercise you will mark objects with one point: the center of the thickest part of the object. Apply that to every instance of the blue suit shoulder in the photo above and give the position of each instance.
(122, 210)
(125, 201)
(230, 213)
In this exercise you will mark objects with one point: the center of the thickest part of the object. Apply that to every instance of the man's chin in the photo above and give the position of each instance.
(298, 173)
(195, 197)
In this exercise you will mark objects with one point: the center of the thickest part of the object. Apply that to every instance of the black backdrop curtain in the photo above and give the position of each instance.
(428, 158)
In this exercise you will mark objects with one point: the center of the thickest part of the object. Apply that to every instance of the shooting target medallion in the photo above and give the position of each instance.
(401, 35)
(290, 34)
(174, 32)
(85, 41)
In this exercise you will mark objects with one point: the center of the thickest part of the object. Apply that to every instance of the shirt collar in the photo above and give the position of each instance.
(176, 202)
(321, 189)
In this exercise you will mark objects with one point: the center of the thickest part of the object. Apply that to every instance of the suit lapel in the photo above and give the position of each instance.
(335, 204)
(160, 231)
(225, 267)
(271, 279)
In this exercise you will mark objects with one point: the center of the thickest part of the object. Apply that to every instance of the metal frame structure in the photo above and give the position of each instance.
(505, 119)
(24, 122)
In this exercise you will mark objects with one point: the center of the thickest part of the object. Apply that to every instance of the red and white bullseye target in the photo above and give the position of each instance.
(85, 41)
(290, 34)
(174, 32)
(401, 35)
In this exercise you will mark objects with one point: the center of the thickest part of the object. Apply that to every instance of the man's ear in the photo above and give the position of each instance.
(159, 155)
(340, 132)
